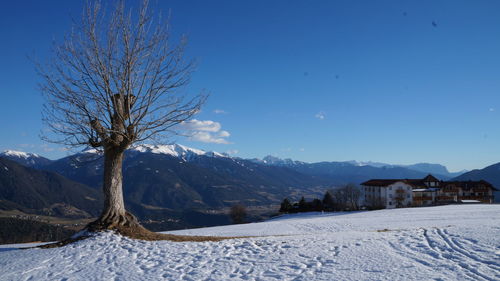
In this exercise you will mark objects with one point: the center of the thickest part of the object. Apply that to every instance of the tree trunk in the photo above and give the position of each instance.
(113, 215)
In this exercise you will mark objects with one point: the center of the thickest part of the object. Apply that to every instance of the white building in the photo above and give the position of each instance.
(393, 193)
(387, 193)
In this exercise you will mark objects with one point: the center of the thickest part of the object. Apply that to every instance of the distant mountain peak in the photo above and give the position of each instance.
(25, 158)
(176, 150)
(20, 154)
(186, 153)
(368, 163)
(276, 161)
(91, 151)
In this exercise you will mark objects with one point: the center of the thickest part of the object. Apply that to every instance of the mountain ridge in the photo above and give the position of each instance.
(43, 192)
(186, 153)
(27, 159)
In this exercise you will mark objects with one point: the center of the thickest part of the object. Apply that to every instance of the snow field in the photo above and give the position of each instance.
(435, 243)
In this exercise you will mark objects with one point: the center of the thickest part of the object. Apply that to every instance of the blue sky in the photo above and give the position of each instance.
(307, 80)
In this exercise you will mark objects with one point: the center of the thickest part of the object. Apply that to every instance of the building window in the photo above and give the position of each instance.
(390, 202)
(390, 187)
(390, 195)
(408, 196)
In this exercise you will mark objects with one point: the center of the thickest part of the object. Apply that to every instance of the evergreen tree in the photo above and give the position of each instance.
(302, 205)
(328, 202)
(286, 206)
(316, 205)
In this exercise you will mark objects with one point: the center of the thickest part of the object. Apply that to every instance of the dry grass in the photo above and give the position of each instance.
(143, 234)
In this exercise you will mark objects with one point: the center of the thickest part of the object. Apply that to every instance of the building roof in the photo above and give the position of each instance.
(430, 178)
(470, 184)
(421, 183)
(384, 182)
(387, 182)
(412, 182)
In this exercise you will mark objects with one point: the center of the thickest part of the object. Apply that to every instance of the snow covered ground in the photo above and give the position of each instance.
(435, 243)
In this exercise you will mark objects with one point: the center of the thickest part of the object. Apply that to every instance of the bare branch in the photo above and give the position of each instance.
(115, 81)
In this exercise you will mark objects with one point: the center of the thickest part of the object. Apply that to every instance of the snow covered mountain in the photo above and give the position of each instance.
(176, 150)
(25, 158)
(345, 172)
(185, 153)
(276, 161)
(355, 167)
(176, 177)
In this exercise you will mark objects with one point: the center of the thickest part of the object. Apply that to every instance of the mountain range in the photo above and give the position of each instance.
(354, 167)
(27, 159)
(172, 180)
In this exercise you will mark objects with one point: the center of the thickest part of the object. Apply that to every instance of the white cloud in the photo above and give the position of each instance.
(207, 131)
(208, 138)
(27, 145)
(200, 125)
(46, 148)
(492, 109)
(232, 151)
(224, 134)
(302, 149)
(320, 115)
(220, 111)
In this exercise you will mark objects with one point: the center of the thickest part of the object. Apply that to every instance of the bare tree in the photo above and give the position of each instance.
(340, 199)
(114, 82)
(353, 193)
(346, 197)
(375, 202)
(238, 213)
